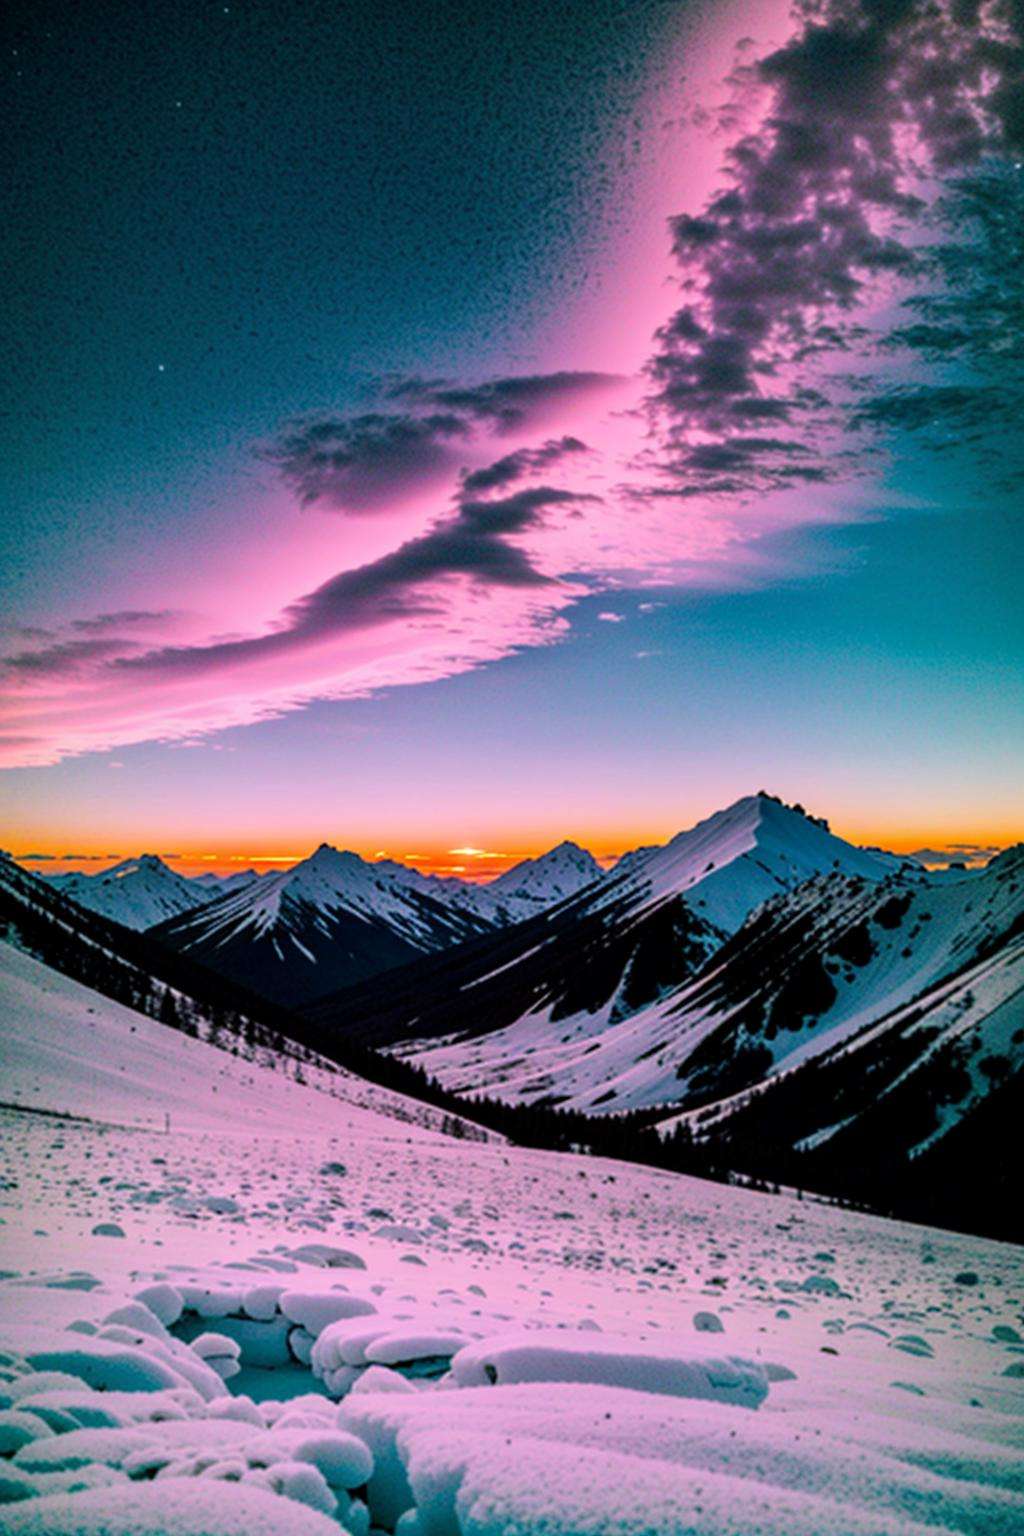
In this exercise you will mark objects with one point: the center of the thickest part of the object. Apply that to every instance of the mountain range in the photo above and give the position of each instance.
(778, 1000)
(589, 963)
(805, 971)
(336, 918)
(758, 992)
(330, 920)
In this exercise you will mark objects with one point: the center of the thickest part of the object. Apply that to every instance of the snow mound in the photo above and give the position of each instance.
(212, 1508)
(684, 1371)
(571, 1454)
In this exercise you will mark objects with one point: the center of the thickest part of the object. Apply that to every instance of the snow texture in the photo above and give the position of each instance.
(256, 1357)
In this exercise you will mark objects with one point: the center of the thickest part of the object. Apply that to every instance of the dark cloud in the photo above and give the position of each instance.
(67, 657)
(364, 463)
(126, 618)
(406, 583)
(814, 211)
(916, 406)
(968, 327)
(527, 461)
(505, 403)
(27, 631)
(36, 858)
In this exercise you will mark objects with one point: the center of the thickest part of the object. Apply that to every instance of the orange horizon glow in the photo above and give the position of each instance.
(468, 861)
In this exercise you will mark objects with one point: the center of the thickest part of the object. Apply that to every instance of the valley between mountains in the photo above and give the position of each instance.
(758, 993)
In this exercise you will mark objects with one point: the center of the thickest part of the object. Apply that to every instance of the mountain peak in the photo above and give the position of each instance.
(739, 856)
(145, 865)
(327, 858)
(136, 892)
(563, 871)
(764, 804)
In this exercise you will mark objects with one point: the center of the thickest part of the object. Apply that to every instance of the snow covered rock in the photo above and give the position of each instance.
(218, 1352)
(316, 1310)
(406, 1347)
(344, 1459)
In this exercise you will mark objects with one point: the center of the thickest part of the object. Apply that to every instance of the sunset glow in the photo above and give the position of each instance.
(710, 516)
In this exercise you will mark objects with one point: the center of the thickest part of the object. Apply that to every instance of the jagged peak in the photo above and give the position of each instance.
(327, 856)
(145, 862)
(566, 860)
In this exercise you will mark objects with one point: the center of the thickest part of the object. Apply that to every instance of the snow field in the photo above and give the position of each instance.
(349, 1323)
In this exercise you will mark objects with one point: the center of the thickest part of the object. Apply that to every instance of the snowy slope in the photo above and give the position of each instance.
(137, 892)
(66, 951)
(538, 883)
(811, 970)
(625, 942)
(290, 1316)
(917, 1111)
(959, 1039)
(312, 1332)
(69, 1050)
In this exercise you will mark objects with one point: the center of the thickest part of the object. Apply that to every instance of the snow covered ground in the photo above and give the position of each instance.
(295, 1312)
(68, 1050)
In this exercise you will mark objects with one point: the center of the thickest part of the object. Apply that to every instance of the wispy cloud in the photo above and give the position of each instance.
(125, 618)
(367, 462)
(956, 853)
(514, 466)
(68, 657)
(477, 542)
(527, 401)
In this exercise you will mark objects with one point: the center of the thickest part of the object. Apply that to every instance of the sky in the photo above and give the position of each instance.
(435, 428)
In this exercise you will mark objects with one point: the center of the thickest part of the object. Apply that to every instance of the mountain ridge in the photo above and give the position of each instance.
(614, 947)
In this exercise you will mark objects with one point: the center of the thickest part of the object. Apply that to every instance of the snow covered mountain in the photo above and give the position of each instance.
(102, 1022)
(538, 883)
(335, 919)
(220, 885)
(812, 970)
(807, 971)
(137, 892)
(332, 919)
(731, 862)
(597, 958)
(902, 1068)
